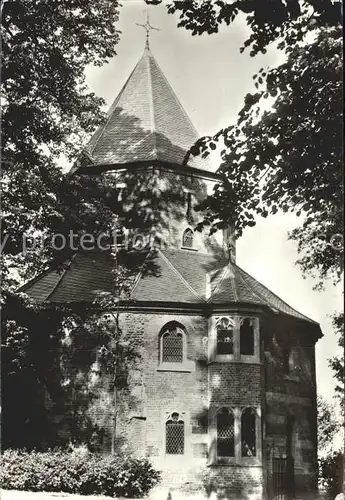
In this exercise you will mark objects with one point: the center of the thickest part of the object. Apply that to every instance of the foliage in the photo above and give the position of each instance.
(46, 47)
(331, 474)
(290, 157)
(47, 113)
(59, 206)
(327, 425)
(337, 362)
(331, 466)
(113, 352)
(68, 366)
(31, 370)
(49, 351)
(74, 472)
(268, 20)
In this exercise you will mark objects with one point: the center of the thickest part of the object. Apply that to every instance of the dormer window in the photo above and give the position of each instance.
(188, 238)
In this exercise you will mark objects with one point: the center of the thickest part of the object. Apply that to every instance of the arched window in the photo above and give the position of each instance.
(225, 433)
(225, 336)
(174, 435)
(247, 337)
(248, 433)
(172, 344)
(187, 238)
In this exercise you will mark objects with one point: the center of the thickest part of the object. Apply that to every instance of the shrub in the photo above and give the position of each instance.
(83, 473)
(331, 474)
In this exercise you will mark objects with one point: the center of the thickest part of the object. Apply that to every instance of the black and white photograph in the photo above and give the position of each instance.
(172, 212)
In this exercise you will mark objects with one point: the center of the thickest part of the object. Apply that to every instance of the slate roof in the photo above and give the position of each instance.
(167, 276)
(145, 123)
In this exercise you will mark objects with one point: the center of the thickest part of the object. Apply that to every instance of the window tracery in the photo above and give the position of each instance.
(174, 434)
(225, 433)
(234, 338)
(234, 435)
(172, 345)
(225, 336)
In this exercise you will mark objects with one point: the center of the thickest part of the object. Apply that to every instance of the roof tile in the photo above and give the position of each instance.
(145, 122)
(174, 276)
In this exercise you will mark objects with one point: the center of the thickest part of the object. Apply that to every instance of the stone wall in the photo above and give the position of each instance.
(290, 410)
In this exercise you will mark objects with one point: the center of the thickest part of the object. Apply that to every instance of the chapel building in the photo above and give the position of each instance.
(223, 398)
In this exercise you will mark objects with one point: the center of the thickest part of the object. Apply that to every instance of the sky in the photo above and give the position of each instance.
(211, 78)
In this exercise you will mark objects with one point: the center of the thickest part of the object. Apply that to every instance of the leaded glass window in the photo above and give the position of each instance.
(248, 438)
(172, 345)
(187, 238)
(174, 435)
(225, 336)
(247, 337)
(225, 433)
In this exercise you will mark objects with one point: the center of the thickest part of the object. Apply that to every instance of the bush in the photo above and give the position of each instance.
(331, 474)
(83, 473)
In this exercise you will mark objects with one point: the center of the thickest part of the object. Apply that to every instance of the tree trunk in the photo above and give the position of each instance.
(113, 433)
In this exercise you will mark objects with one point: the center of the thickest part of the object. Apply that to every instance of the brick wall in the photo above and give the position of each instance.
(237, 482)
(239, 384)
(155, 394)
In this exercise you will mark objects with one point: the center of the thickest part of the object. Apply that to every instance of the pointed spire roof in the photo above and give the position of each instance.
(146, 123)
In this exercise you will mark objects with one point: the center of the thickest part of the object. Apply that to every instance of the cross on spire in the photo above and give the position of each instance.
(147, 26)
